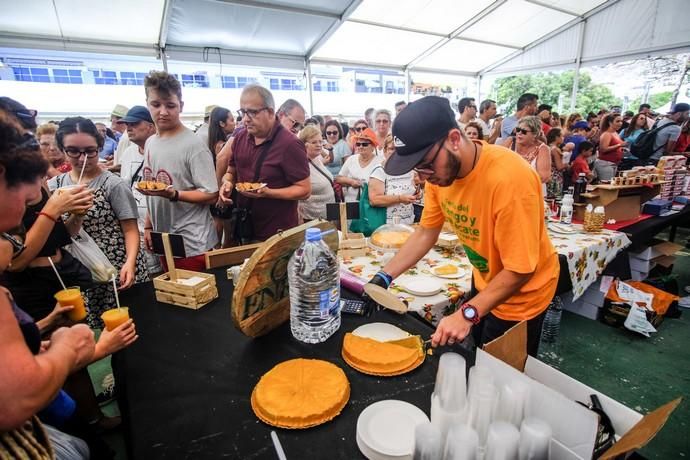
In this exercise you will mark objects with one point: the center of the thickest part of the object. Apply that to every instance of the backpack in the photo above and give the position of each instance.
(643, 147)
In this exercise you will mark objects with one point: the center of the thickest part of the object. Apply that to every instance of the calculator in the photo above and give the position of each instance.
(354, 307)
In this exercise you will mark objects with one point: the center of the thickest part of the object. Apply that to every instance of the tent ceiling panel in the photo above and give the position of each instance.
(245, 28)
(610, 31)
(464, 56)
(517, 23)
(577, 7)
(333, 7)
(420, 15)
(356, 42)
(563, 45)
(67, 19)
(672, 22)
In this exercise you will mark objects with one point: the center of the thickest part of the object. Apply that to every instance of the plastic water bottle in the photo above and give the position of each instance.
(567, 209)
(314, 290)
(552, 321)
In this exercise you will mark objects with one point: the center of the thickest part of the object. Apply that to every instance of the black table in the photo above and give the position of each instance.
(184, 386)
(641, 232)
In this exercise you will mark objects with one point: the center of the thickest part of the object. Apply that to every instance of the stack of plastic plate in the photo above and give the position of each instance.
(385, 430)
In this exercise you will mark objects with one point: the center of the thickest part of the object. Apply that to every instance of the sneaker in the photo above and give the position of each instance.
(108, 393)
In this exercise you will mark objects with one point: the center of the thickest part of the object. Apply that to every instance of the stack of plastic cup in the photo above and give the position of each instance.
(462, 443)
(502, 442)
(479, 376)
(535, 439)
(512, 402)
(448, 401)
(427, 442)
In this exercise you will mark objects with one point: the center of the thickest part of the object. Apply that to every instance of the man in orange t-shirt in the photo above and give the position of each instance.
(492, 198)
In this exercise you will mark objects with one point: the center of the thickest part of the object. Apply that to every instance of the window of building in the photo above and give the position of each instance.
(332, 86)
(244, 81)
(197, 80)
(105, 77)
(132, 78)
(229, 82)
(274, 83)
(35, 74)
(67, 76)
(317, 85)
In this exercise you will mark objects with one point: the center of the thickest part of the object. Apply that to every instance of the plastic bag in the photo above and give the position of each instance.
(85, 249)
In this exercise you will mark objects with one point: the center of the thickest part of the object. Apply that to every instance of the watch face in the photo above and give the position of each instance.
(469, 312)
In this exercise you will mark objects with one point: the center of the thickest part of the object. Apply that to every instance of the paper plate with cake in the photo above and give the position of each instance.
(390, 237)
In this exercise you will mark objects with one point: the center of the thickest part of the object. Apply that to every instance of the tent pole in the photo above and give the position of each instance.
(310, 88)
(578, 63)
(407, 85)
(479, 88)
(164, 58)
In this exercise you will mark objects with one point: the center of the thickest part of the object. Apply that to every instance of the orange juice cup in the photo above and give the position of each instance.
(69, 189)
(72, 296)
(113, 318)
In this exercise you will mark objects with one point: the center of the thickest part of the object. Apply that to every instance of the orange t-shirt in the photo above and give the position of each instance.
(497, 211)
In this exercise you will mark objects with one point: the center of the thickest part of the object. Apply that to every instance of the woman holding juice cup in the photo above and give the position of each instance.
(30, 376)
(111, 221)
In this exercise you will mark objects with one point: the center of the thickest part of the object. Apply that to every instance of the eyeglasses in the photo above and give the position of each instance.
(360, 129)
(385, 121)
(75, 152)
(427, 168)
(362, 144)
(25, 113)
(522, 130)
(295, 124)
(47, 145)
(252, 113)
(17, 246)
(331, 133)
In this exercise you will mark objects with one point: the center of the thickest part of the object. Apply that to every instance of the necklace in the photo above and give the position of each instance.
(474, 161)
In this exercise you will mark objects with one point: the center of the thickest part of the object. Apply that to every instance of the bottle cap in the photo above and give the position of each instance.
(313, 234)
(589, 208)
(582, 174)
(599, 210)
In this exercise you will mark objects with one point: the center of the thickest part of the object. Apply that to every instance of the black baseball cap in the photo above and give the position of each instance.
(25, 117)
(416, 129)
(136, 114)
(680, 107)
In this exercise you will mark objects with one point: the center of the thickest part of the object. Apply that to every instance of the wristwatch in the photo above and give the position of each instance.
(470, 313)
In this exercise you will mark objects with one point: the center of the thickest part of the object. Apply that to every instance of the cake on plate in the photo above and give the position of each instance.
(391, 358)
(300, 393)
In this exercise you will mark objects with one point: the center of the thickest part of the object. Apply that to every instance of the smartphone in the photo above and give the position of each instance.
(354, 307)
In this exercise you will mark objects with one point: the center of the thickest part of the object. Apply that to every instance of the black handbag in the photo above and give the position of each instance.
(244, 227)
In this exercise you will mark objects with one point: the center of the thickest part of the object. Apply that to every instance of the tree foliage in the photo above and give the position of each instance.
(655, 100)
(548, 86)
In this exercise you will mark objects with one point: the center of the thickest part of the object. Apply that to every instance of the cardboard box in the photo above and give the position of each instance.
(586, 309)
(594, 295)
(657, 248)
(641, 265)
(638, 276)
(553, 395)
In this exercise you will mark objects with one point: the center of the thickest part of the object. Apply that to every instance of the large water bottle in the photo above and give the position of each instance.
(552, 321)
(314, 290)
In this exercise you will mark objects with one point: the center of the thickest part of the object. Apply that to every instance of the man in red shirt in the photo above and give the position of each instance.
(581, 163)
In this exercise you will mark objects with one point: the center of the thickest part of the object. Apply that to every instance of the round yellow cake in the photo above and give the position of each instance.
(389, 240)
(385, 359)
(300, 393)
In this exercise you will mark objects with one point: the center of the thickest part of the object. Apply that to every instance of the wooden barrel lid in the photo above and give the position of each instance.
(261, 300)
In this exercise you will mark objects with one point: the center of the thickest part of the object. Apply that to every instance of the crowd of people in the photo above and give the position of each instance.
(243, 179)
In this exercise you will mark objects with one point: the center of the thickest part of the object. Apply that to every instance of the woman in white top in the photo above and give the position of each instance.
(396, 193)
(358, 167)
(321, 178)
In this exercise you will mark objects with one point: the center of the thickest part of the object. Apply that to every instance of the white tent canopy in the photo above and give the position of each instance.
(462, 37)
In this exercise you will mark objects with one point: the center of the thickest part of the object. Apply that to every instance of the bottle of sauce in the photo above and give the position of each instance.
(580, 188)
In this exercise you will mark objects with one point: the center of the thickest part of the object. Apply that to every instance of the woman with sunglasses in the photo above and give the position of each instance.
(359, 126)
(337, 148)
(321, 178)
(397, 194)
(528, 145)
(358, 167)
(111, 221)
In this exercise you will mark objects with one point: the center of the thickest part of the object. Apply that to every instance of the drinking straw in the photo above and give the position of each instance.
(81, 174)
(278, 447)
(117, 298)
(56, 273)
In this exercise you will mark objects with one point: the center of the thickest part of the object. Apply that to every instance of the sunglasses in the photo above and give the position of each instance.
(295, 124)
(331, 133)
(522, 130)
(427, 168)
(251, 113)
(17, 246)
(75, 152)
(360, 129)
(362, 144)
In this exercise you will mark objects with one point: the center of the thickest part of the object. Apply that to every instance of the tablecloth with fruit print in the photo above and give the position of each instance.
(587, 255)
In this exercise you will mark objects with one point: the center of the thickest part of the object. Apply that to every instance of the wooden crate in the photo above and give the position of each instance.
(182, 295)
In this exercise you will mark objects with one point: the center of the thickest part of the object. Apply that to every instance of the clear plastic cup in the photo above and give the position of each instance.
(451, 382)
(535, 439)
(502, 442)
(512, 402)
(427, 442)
(462, 443)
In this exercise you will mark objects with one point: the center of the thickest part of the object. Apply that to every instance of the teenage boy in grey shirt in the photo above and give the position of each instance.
(177, 157)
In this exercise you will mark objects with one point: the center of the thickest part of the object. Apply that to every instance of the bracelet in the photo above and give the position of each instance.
(175, 197)
(386, 277)
(45, 214)
(148, 228)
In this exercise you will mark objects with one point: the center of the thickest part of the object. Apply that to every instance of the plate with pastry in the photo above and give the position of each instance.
(249, 186)
(448, 271)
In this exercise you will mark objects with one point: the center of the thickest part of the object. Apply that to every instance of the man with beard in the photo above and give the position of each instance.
(492, 198)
